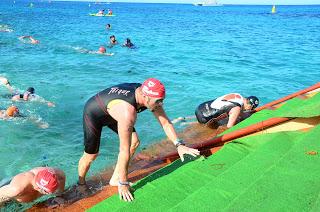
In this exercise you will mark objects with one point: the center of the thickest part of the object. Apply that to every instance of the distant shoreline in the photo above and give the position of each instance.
(103, 2)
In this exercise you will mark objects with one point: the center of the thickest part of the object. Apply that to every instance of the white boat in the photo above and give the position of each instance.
(209, 3)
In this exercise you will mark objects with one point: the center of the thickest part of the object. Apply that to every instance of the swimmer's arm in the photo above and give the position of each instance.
(7, 193)
(125, 128)
(42, 100)
(166, 124)
(126, 120)
(233, 116)
(25, 36)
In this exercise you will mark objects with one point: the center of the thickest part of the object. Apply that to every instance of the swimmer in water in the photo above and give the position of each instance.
(9, 113)
(102, 50)
(128, 44)
(108, 26)
(31, 40)
(30, 185)
(29, 95)
(112, 41)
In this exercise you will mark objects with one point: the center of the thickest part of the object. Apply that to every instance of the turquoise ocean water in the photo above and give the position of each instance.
(198, 52)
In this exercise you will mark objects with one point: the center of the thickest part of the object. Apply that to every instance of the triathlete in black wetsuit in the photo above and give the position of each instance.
(117, 108)
(95, 114)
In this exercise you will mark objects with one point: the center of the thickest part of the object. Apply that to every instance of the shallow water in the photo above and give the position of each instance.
(198, 52)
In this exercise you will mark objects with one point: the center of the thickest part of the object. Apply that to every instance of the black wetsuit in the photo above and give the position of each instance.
(205, 114)
(96, 116)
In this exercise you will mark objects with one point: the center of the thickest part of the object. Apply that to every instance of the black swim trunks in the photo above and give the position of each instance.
(96, 116)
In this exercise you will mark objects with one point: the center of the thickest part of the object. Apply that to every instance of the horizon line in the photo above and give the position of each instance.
(85, 1)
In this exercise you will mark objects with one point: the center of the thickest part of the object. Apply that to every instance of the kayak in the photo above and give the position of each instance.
(101, 15)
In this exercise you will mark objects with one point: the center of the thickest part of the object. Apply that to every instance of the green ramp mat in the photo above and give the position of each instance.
(269, 172)
(296, 107)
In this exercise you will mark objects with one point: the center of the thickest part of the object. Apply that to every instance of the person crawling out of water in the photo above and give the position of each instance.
(32, 184)
(228, 109)
(29, 39)
(29, 95)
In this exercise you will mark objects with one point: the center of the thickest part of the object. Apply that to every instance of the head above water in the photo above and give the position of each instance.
(102, 49)
(31, 90)
(152, 87)
(47, 180)
(253, 101)
(12, 111)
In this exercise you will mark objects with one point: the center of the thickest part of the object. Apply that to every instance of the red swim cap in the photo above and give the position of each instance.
(47, 180)
(153, 88)
(102, 49)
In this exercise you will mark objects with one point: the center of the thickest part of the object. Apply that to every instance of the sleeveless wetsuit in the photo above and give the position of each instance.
(209, 110)
(96, 116)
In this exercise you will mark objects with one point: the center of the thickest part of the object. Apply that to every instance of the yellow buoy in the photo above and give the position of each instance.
(273, 10)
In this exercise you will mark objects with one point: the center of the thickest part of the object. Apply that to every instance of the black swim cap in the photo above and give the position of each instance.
(31, 90)
(254, 101)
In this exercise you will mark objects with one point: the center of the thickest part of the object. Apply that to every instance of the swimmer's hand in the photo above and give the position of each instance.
(186, 150)
(110, 54)
(124, 193)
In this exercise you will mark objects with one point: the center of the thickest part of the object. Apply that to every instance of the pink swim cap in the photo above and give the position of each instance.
(102, 49)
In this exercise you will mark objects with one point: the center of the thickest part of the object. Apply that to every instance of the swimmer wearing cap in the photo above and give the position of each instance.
(10, 112)
(102, 50)
(30, 185)
(29, 95)
(117, 107)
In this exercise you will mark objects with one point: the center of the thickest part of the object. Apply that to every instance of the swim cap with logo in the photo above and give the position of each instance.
(254, 101)
(12, 111)
(153, 88)
(47, 180)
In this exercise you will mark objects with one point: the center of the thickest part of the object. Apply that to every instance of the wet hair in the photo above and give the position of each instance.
(128, 40)
(31, 90)
(112, 36)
